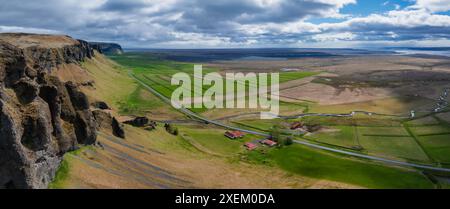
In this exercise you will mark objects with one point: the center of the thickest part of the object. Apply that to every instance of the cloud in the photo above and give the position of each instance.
(226, 23)
(432, 5)
(346, 36)
(406, 24)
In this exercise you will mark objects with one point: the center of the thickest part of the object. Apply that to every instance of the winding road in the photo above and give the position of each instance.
(316, 146)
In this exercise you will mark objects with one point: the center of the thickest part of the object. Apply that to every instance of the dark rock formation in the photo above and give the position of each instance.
(105, 121)
(117, 128)
(41, 118)
(107, 48)
(138, 121)
(101, 105)
(148, 125)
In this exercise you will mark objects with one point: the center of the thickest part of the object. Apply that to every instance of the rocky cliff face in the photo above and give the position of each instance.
(107, 48)
(41, 117)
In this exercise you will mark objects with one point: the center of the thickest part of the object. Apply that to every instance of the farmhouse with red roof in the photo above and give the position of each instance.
(234, 134)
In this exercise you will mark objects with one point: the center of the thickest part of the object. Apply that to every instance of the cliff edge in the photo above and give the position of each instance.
(41, 115)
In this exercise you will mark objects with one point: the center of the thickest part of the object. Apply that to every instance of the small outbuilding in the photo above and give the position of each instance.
(250, 146)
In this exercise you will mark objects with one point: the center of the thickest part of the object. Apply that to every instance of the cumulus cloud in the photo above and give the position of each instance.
(433, 5)
(225, 23)
(405, 24)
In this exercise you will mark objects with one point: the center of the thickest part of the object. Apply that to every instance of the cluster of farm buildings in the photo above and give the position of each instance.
(249, 145)
(294, 127)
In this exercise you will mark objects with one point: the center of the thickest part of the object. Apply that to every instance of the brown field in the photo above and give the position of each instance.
(358, 79)
(339, 65)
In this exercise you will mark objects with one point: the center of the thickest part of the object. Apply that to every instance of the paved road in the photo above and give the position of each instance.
(379, 159)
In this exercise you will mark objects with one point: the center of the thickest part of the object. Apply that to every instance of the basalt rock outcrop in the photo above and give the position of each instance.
(41, 117)
(138, 121)
(144, 122)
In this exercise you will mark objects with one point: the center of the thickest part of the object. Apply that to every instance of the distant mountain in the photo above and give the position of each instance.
(107, 48)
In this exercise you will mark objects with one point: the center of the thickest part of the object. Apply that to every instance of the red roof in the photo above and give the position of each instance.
(250, 146)
(234, 134)
(268, 142)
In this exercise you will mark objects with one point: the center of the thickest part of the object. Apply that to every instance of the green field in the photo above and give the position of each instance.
(323, 165)
(343, 136)
(431, 130)
(257, 125)
(289, 76)
(383, 131)
(423, 121)
(435, 139)
(438, 147)
(157, 73)
(391, 142)
(399, 147)
(139, 101)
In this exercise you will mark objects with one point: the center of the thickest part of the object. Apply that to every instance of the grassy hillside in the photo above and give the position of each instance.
(114, 86)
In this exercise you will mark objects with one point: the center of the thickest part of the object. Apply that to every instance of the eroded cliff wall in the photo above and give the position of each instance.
(41, 116)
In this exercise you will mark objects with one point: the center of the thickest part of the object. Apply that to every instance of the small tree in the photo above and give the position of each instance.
(288, 141)
(275, 134)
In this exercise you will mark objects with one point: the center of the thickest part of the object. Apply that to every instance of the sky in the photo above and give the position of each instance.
(236, 23)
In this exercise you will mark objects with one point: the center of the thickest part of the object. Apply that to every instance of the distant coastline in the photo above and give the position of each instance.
(210, 55)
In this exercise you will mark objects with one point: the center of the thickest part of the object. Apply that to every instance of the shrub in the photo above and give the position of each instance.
(170, 129)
